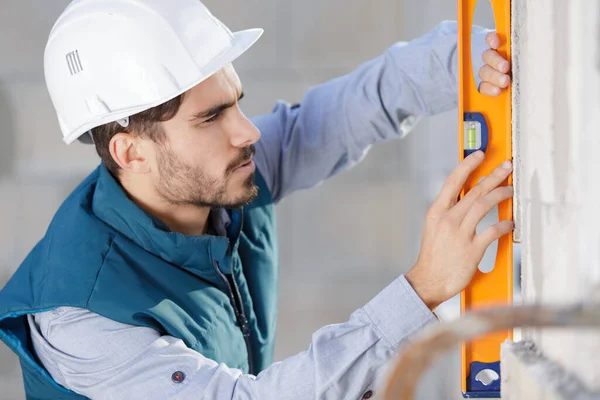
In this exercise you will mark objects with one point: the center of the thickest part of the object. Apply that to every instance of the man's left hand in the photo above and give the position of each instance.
(494, 74)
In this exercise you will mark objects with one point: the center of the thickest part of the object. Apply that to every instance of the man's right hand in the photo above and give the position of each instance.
(451, 250)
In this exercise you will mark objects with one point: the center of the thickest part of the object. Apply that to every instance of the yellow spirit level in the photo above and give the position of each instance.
(485, 124)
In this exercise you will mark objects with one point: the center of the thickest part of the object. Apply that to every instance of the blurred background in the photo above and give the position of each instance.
(369, 219)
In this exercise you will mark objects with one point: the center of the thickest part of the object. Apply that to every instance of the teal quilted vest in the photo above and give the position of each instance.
(103, 253)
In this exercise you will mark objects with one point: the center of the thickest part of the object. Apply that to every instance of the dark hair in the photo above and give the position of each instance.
(144, 123)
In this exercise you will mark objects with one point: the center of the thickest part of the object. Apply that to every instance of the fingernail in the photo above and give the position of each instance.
(505, 80)
(478, 154)
(507, 165)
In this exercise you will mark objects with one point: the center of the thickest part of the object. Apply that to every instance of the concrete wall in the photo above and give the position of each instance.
(370, 217)
(557, 45)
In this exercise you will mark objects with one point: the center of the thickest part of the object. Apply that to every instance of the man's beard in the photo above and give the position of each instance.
(183, 184)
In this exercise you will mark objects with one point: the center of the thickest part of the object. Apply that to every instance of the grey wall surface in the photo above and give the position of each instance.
(340, 243)
(558, 118)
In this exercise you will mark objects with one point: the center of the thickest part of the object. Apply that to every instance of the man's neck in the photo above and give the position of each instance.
(185, 219)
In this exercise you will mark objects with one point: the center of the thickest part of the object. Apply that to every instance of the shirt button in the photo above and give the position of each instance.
(368, 394)
(178, 377)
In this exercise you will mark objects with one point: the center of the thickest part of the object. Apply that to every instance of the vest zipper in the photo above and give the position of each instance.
(240, 314)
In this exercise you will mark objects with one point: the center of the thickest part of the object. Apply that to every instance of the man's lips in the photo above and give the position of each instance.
(246, 165)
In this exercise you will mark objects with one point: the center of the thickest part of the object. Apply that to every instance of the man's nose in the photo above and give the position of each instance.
(243, 132)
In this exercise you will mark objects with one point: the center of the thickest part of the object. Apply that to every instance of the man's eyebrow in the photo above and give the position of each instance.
(215, 110)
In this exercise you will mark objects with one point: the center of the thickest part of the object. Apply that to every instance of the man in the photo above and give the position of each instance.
(157, 277)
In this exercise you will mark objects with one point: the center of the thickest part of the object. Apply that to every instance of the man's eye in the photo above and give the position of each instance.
(212, 119)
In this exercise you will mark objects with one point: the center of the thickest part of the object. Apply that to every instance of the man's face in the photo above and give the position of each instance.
(206, 158)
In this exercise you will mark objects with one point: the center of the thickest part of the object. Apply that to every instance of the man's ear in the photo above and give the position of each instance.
(129, 152)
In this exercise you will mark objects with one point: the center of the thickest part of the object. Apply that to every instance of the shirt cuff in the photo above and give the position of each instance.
(397, 312)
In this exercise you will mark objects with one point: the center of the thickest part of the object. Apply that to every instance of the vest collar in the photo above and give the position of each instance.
(199, 254)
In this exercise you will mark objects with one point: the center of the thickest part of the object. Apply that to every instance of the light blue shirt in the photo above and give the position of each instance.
(301, 145)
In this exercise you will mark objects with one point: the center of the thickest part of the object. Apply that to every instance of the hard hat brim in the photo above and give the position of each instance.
(242, 41)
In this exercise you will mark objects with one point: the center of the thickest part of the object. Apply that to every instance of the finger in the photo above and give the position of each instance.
(481, 189)
(496, 61)
(493, 233)
(456, 180)
(493, 40)
(488, 89)
(490, 75)
(484, 206)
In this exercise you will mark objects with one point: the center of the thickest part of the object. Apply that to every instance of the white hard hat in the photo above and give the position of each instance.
(106, 60)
